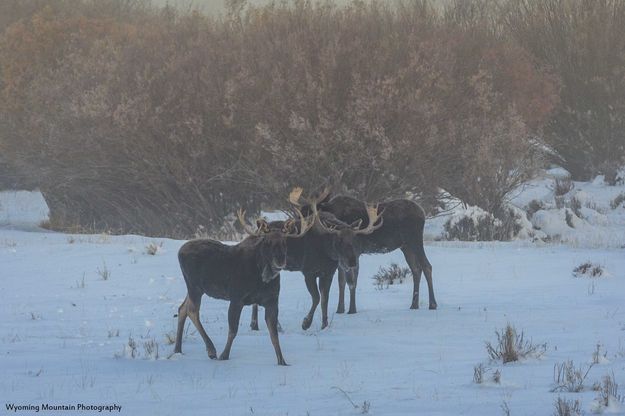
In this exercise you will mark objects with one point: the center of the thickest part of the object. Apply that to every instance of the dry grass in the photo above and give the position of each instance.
(104, 272)
(608, 391)
(588, 269)
(564, 407)
(568, 378)
(512, 346)
(153, 248)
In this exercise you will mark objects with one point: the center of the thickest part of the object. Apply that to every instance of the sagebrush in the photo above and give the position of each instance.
(512, 346)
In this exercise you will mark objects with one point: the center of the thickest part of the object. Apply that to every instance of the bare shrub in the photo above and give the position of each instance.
(568, 378)
(505, 408)
(608, 391)
(572, 37)
(562, 186)
(568, 217)
(483, 226)
(130, 349)
(104, 272)
(576, 206)
(598, 356)
(618, 201)
(170, 338)
(471, 229)
(497, 376)
(387, 276)
(478, 373)
(533, 207)
(564, 407)
(81, 284)
(364, 408)
(150, 347)
(588, 269)
(511, 346)
(375, 100)
(153, 248)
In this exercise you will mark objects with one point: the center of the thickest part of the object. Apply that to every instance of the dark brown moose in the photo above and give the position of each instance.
(327, 246)
(404, 221)
(243, 274)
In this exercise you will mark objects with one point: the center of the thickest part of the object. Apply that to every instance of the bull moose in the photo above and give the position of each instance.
(244, 274)
(328, 246)
(404, 221)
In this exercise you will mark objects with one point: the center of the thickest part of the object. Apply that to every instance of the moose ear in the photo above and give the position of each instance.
(268, 274)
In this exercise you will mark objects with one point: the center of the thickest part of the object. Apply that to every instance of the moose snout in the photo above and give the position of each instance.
(279, 263)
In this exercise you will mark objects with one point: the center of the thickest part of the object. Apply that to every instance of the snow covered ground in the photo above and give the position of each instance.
(22, 208)
(590, 214)
(71, 303)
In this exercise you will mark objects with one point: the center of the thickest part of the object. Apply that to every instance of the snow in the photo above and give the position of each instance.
(599, 225)
(595, 223)
(65, 330)
(22, 208)
(59, 336)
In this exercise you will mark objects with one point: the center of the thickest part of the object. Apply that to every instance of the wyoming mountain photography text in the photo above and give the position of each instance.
(61, 408)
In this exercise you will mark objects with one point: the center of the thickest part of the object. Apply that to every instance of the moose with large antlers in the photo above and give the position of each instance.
(244, 274)
(328, 246)
(404, 221)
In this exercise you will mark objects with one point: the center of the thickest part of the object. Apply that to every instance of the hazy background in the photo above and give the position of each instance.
(133, 117)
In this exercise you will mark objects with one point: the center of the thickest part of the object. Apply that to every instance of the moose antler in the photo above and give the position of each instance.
(374, 216)
(305, 224)
(262, 224)
(296, 195)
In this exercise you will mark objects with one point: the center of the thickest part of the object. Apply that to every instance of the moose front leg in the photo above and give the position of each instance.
(352, 280)
(271, 319)
(234, 315)
(341, 306)
(325, 281)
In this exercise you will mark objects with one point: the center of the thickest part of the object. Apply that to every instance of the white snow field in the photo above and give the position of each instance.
(71, 303)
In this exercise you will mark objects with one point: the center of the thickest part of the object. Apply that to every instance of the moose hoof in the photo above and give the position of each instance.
(282, 362)
(224, 357)
(414, 306)
(340, 309)
(306, 323)
(324, 324)
(254, 325)
(351, 311)
(212, 354)
(433, 306)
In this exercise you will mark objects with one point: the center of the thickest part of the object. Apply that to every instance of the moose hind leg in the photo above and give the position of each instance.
(182, 317)
(234, 316)
(415, 268)
(427, 271)
(311, 285)
(271, 319)
(193, 310)
(254, 322)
